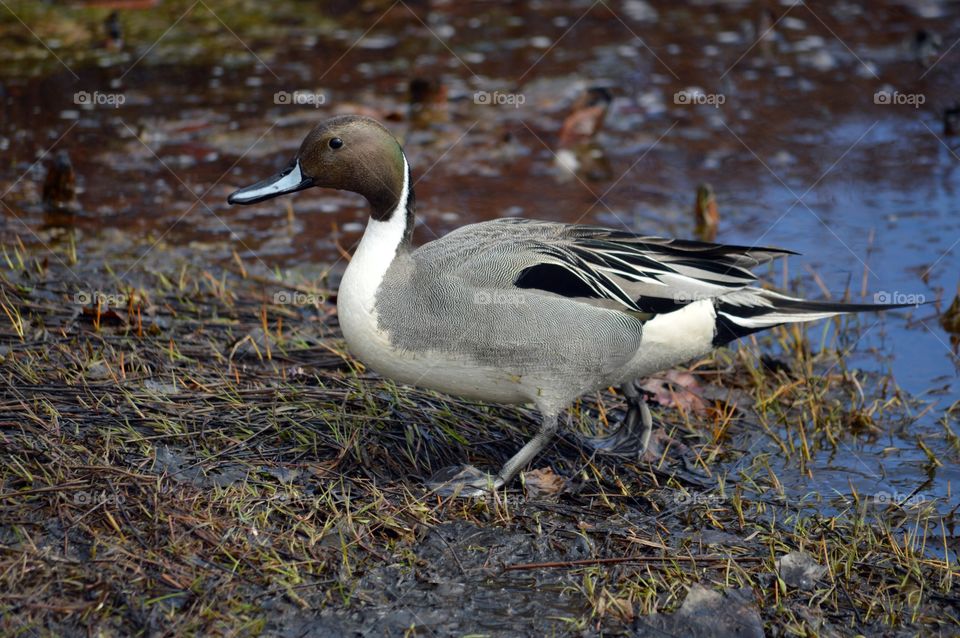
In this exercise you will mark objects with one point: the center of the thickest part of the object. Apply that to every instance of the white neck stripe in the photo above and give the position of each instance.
(377, 250)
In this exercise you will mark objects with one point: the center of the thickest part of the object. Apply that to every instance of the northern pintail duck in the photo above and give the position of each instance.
(519, 311)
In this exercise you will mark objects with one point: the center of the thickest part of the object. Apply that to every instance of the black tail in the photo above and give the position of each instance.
(753, 309)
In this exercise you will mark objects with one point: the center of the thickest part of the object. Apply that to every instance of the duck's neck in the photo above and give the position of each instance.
(387, 237)
(391, 219)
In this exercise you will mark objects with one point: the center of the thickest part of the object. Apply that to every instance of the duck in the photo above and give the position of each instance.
(586, 116)
(577, 150)
(519, 311)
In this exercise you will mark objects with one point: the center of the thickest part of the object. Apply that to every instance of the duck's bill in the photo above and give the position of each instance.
(289, 180)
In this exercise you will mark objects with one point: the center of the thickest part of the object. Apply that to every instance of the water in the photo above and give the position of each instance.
(800, 152)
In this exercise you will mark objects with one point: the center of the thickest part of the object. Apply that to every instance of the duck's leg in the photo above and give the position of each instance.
(548, 429)
(469, 481)
(628, 440)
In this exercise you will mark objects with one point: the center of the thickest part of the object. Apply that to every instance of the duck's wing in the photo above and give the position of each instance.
(596, 265)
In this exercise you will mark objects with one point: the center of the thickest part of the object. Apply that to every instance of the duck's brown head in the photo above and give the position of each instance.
(349, 152)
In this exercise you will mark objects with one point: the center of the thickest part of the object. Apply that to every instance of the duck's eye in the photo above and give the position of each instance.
(335, 143)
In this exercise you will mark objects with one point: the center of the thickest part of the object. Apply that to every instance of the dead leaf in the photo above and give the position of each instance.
(543, 482)
(676, 389)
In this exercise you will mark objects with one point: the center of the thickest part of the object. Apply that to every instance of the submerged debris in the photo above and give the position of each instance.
(926, 46)
(60, 184)
(427, 101)
(705, 213)
(114, 31)
(951, 120)
(950, 320)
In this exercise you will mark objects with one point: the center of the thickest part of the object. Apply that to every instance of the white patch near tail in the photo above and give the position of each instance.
(675, 337)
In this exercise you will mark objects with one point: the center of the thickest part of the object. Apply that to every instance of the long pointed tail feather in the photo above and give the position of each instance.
(753, 309)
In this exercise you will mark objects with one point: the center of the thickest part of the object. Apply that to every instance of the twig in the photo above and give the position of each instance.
(626, 559)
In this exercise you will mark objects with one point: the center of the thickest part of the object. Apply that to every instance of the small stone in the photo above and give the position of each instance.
(800, 570)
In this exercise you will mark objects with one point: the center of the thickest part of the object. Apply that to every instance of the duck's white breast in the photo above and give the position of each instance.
(441, 371)
(369, 341)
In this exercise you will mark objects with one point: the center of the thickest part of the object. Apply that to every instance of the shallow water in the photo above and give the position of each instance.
(800, 153)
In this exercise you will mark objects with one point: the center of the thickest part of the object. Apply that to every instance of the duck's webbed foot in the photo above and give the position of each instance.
(632, 438)
(468, 481)
(465, 481)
